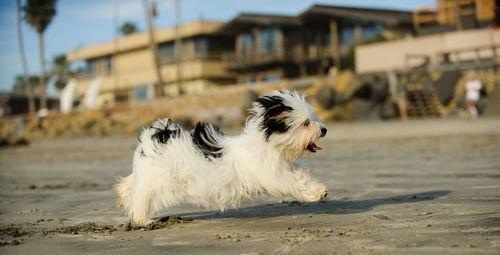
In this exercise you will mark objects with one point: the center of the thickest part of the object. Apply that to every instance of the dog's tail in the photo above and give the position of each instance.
(124, 189)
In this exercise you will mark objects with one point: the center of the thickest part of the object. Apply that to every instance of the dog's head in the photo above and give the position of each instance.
(288, 122)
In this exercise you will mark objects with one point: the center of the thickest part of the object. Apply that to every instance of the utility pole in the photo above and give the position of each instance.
(458, 15)
(26, 79)
(334, 43)
(153, 46)
(114, 59)
(178, 46)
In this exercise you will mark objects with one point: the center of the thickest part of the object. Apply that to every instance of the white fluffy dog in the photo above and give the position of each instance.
(206, 168)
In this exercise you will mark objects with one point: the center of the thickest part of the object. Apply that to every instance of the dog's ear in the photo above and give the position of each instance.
(206, 137)
(274, 114)
(164, 129)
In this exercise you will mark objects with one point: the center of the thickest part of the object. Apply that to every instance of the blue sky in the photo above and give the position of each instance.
(85, 22)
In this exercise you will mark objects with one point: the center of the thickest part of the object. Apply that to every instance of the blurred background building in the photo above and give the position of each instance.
(249, 48)
(270, 47)
(261, 48)
(126, 67)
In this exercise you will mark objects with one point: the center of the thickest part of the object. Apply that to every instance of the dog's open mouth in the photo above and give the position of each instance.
(313, 147)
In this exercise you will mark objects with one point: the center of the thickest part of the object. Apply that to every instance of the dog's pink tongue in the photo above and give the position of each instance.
(316, 147)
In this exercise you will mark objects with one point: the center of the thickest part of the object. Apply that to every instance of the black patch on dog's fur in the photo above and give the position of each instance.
(273, 121)
(141, 152)
(164, 134)
(207, 140)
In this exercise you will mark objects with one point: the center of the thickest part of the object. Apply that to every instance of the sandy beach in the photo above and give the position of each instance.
(414, 187)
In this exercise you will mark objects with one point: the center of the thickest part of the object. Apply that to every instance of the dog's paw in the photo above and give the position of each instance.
(316, 193)
(323, 196)
(143, 221)
(320, 195)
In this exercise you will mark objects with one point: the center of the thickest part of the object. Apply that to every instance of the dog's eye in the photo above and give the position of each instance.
(306, 123)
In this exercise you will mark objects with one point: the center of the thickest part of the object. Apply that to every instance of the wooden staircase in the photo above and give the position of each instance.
(423, 102)
(422, 99)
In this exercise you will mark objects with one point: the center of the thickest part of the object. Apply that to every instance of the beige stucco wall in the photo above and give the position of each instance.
(141, 40)
(137, 69)
(134, 64)
(391, 55)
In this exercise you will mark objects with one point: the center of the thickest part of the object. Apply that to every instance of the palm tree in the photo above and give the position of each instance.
(61, 68)
(20, 84)
(128, 28)
(27, 86)
(39, 14)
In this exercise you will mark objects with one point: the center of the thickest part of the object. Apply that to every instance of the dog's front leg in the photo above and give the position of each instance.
(308, 189)
(298, 184)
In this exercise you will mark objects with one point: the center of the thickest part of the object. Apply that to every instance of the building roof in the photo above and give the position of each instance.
(141, 40)
(385, 16)
(246, 21)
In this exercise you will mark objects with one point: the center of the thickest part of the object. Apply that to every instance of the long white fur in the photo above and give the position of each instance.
(166, 175)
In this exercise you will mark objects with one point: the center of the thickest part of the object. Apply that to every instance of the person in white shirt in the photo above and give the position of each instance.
(473, 87)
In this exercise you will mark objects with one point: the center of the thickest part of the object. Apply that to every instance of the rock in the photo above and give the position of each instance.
(454, 112)
(380, 89)
(364, 110)
(387, 111)
(340, 98)
(461, 102)
(325, 96)
(493, 104)
(248, 98)
(14, 132)
(365, 92)
(445, 85)
(481, 105)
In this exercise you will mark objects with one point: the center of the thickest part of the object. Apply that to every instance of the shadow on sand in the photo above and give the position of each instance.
(324, 207)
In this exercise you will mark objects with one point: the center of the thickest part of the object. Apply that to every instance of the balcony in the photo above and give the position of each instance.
(189, 56)
(295, 54)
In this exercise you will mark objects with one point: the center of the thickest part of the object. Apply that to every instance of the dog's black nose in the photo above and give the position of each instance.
(323, 131)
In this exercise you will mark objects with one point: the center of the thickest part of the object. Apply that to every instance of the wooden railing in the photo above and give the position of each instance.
(459, 59)
(294, 54)
(186, 56)
(444, 13)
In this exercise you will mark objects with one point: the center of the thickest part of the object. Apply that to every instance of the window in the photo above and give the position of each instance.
(109, 64)
(268, 41)
(249, 79)
(121, 96)
(143, 92)
(166, 52)
(201, 47)
(101, 65)
(246, 44)
(368, 31)
(371, 31)
(271, 77)
(347, 36)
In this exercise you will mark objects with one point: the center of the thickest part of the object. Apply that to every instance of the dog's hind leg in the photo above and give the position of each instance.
(141, 203)
(130, 198)
(124, 190)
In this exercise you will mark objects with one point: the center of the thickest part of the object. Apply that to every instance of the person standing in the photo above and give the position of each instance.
(473, 93)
